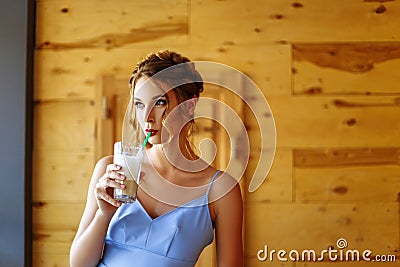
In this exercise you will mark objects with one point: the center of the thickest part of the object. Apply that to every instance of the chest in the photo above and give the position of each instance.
(161, 193)
(156, 208)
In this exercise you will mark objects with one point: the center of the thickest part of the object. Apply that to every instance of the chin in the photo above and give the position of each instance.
(154, 140)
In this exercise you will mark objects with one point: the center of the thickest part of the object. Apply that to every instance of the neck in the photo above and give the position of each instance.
(166, 158)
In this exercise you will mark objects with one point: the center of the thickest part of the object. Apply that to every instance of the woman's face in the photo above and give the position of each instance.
(152, 106)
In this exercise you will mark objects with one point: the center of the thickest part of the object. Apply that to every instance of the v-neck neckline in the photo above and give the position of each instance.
(171, 211)
(181, 206)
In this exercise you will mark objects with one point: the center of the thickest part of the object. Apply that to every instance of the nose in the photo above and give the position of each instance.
(149, 114)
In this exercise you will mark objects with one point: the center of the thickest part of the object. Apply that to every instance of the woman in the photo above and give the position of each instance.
(181, 200)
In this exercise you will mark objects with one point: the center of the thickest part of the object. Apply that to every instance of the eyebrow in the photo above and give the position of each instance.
(155, 97)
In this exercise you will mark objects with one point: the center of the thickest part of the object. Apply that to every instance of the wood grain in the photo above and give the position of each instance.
(317, 226)
(269, 21)
(346, 68)
(50, 260)
(53, 242)
(61, 176)
(320, 158)
(354, 57)
(278, 185)
(111, 24)
(114, 40)
(305, 122)
(342, 184)
(56, 216)
(71, 74)
(64, 126)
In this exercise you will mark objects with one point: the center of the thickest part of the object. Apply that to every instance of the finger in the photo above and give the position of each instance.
(114, 172)
(110, 183)
(113, 167)
(103, 191)
(117, 175)
(102, 195)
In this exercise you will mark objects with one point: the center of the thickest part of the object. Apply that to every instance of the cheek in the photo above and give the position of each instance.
(159, 112)
(176, 120)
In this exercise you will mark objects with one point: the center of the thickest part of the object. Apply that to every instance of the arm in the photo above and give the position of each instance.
(87, 247)
(228, 229)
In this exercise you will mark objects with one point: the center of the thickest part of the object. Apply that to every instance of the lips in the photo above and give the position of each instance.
(152, 131)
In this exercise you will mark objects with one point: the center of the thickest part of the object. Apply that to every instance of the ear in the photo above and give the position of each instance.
(190, 105)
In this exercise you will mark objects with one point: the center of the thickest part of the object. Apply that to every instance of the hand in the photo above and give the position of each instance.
(105, 187)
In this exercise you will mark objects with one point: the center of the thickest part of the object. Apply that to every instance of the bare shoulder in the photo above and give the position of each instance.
(225, 193)
(101, 166)
(223, 186)
(228, 221)
(105, 161)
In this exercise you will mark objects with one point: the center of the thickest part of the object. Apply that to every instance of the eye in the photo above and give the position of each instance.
(161, 102)
(139, 105)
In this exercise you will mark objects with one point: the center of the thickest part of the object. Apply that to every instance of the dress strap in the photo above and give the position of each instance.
(212, 181)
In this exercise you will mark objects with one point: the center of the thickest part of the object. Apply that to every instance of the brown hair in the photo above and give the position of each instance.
(180, 75)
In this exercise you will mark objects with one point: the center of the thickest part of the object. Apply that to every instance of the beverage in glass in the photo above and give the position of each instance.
(130, 159)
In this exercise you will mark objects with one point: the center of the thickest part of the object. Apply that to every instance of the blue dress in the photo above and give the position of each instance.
(174, 239)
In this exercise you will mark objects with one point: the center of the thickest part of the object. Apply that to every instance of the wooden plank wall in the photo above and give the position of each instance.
(329, 70)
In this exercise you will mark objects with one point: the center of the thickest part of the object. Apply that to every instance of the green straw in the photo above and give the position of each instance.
(147, 139)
